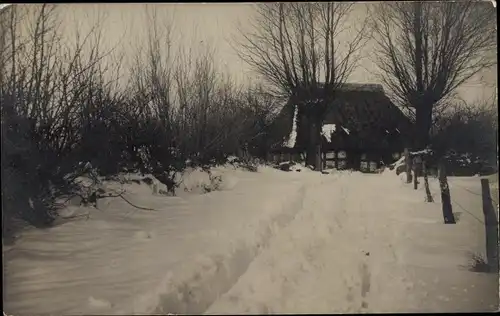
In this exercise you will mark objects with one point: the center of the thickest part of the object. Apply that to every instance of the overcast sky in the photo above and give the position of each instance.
(215, 24)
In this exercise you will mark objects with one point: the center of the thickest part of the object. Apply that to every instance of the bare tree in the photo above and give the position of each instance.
(150, 113)
(47, 92)
(296, 47)
(210, 106)
(425, 50)
(180, 104)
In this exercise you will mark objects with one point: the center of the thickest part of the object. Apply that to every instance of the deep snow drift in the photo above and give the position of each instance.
(123, 260)
(269, 242)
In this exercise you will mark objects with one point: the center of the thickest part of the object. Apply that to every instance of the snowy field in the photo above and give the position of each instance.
(265, 242)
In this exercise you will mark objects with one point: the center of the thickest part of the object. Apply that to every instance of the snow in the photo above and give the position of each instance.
(421, 152)
(232, 159)
(395, 257)
(290, 143)
(327, 131)
(272, 242)
(123, 260)
(295, 166)
(396, 164)
(195, 180)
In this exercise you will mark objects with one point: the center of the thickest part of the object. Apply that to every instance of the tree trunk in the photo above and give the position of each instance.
(423, 110)
(311, 147)
(423, 125)
(318, 166)
(408, 166)
(415, 174)
(314, 137)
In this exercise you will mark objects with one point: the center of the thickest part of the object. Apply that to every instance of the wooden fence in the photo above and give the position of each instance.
(417, 166)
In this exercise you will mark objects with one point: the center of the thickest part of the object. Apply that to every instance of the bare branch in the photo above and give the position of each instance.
(295, 46)
(426, 50)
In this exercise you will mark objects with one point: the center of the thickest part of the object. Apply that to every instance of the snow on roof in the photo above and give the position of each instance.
(327, 131)
(292, 138)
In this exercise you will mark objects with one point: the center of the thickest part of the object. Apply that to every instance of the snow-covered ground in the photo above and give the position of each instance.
(360, 245)
(124, 260)
(271, 242)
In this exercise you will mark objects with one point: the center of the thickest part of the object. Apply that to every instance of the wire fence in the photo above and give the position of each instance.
(475, 193)
(454, 202)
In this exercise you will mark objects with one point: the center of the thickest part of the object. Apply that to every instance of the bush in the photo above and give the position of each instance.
(467, 136)
(61, 108)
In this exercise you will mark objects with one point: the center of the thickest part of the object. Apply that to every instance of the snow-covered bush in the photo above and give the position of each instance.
(201, 181)
(249, 164)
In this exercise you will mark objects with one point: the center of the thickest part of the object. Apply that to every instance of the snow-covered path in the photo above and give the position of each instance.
(275, 243)
(337, 255)
(357, 247)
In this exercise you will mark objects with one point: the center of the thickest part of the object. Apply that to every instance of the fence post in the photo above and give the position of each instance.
(428, 194)
(318, 158)
(415, 175)
(491, 227)
(445, 194)
(408, 165)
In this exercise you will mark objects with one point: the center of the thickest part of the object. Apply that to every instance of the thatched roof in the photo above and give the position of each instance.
(363, 110)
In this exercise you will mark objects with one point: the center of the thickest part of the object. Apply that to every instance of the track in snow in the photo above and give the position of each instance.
(337, 255)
